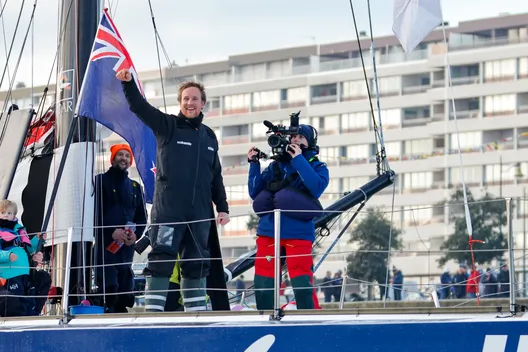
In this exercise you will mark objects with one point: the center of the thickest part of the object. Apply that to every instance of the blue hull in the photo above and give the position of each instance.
(339, 334)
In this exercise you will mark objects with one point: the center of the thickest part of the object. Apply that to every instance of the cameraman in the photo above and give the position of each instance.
(293, 182)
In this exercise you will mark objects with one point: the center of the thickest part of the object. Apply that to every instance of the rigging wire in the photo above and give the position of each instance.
(54, 67)
(375, 125)
(156, 35)
(385, 162)
(9, 53)
(5, 41)
(10, 90)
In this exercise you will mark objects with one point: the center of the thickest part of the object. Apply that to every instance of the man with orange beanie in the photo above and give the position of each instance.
(120, 210)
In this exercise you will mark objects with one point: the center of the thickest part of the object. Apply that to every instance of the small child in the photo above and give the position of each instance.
(17, 254)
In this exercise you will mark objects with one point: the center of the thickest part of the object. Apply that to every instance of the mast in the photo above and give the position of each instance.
(74, 205)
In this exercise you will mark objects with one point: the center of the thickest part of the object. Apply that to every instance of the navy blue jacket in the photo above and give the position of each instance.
(188, 169)
(118, 200)
(312, 176)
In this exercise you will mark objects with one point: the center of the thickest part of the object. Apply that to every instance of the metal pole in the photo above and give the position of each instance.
(342, 297)
(509, 212)
(276, 303)
(67, 274)
(524, 241)
(500, 195)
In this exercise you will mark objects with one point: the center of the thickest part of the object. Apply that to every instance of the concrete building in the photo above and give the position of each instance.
(489, 69)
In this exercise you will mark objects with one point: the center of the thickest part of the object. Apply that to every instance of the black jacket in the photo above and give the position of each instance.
(188, 170)
(118, 200)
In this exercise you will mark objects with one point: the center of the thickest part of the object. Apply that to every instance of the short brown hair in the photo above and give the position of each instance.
(191, 84)
(6, 204)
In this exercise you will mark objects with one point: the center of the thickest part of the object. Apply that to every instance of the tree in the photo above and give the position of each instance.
(371, 235)
(252, 223)
(487, 216)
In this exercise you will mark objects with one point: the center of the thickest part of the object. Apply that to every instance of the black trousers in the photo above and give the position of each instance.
(23, 287)
(190, 240)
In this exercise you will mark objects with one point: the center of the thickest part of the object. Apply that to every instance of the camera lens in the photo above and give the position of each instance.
(274, 141)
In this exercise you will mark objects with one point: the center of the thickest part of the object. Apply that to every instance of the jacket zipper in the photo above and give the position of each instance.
(197, 164)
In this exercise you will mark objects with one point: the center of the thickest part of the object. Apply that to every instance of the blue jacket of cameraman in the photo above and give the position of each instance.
(294, 187)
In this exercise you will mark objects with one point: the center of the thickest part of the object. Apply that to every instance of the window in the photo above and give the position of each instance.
(472, 175)
(393, 149)
(252, 72)
(237, 195)
(357, 151)
(418, 146)
(237, 226)
(354, 89)
(279, 68)
(294, 94)
(332, 191)
(326, 90)
(499, 69)
(417, 215)
(212, 105)
(329, 155)
(267, 99)
(326, 124)
(499, 104)
(237, 103)
(258, 131)
(353, 183)
(358, 121)
(150, 88)
(215, 79)
(388, 85)
(467, 140)
(493, 173)
(523, 67)
(390, 117)
(418, 180)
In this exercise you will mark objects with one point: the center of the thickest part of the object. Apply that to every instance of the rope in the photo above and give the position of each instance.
(385, 165)
(466, 206)
(156, 36)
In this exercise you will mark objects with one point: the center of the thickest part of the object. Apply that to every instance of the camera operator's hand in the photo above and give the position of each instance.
(294, 150)
(252, 152)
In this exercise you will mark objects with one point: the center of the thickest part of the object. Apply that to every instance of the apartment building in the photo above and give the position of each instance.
(489, 69)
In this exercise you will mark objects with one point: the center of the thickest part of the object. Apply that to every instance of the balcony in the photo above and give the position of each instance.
(414, 84)
(265, 107)
(416, 116)
(286, 104)
(465, 109)
(459, 81)
(482, 42)
(465, 74)
(227, 140)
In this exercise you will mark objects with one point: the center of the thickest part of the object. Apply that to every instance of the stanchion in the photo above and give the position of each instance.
(276, 303)
(67, 269)
(511, 255)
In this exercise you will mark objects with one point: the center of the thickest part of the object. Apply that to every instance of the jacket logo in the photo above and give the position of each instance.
(211, 149)
(185, 143)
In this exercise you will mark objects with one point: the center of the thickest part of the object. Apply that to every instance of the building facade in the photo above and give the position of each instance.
(489, 70)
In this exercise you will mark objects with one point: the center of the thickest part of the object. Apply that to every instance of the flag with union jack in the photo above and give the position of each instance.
(102, 99)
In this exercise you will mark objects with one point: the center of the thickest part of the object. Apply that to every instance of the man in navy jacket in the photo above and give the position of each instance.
(118, 201)
(293, 185)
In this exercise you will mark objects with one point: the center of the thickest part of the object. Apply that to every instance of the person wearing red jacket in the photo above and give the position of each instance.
(472, 284)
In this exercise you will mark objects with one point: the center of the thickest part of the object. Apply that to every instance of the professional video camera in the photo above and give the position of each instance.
(279, 136)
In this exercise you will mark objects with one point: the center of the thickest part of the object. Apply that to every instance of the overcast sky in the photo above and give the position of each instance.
(211, 30)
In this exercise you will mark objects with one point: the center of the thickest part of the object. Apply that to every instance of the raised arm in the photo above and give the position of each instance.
(151, 116)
